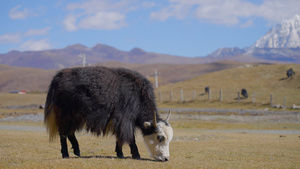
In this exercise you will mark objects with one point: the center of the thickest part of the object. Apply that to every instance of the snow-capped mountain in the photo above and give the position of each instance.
(280, 44)
(283, 35)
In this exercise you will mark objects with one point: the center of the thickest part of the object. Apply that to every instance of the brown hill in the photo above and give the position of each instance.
(172, 73)
(264, 80)
(31, 79)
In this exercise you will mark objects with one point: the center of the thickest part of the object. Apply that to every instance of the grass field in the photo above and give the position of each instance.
(192, 147)
(262, 80)
(196, 143)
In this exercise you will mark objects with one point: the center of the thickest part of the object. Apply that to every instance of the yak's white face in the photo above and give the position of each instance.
(158, 142)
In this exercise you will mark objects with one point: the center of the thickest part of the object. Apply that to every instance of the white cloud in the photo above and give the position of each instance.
(18, 13)
(70, 22)
(148, 4)
(277, 10)
(224, 12)
(10, 38)
(94, 6)
(32, 45)
(228, 12)
(178, 11)
(103, 20)
(98, 14)
(17, 37)
(35, 32)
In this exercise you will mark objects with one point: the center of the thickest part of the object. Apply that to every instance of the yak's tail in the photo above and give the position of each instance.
(50, 120)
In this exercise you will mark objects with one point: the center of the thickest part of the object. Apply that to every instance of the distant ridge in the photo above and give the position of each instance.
(37, 80)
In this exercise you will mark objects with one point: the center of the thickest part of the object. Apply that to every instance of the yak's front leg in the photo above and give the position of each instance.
(75, 144)
(64, 146)
(134, 150)
(118, 149)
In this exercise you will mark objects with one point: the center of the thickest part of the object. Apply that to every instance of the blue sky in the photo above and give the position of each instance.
(177, 27)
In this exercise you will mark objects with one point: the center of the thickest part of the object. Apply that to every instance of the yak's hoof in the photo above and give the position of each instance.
(65, 156)
(137, 157)
(120, 156)
(77, 154)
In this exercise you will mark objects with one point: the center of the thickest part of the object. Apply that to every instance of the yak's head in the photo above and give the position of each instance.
(159, 138)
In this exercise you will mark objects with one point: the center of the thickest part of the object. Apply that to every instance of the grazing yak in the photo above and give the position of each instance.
(290, 72)
(106, 100)
(207, 89)
(244, 93)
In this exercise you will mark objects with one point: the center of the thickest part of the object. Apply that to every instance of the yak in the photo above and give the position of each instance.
(106, 100)
(244, 93)
(290, 72)
(207, 89)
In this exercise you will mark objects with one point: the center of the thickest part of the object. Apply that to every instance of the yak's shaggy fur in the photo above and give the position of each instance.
(101, 100)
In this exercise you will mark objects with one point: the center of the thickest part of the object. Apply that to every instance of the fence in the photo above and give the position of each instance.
(274, 99)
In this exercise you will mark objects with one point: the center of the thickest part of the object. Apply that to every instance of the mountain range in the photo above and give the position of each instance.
(280, 44)
(37, 80)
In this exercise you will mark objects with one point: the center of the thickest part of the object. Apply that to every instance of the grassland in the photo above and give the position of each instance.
(196, 143)
(192, 147)
(7, 100)
(262, 80)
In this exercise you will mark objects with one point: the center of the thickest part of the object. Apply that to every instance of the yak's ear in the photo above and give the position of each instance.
(147, 124)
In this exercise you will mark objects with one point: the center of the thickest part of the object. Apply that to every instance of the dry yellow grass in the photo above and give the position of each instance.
(264, 80)
(191, 148)
(8, 99)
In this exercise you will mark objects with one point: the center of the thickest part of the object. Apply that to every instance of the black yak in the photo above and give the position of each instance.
(106, 100)
(244, 93)
(290, 72)
(206, 89)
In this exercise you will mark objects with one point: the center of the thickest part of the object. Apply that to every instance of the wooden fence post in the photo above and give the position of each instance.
(271, 100)
(284, 102)
(221, 95)
(239, 97)
(253, 99)
(194, 95)
(181, 95)
(160, 96)
(171, 96)
(209, 94)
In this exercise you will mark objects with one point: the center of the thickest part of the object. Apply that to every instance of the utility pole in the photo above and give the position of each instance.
(156, 80)
(82, 55)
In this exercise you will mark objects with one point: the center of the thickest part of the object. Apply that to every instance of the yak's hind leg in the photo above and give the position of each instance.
(64, 146)
(134, 150)
(75, 144)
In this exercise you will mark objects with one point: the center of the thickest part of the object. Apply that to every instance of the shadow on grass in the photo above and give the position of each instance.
(285, 78)
(114, 157)
(241, 98)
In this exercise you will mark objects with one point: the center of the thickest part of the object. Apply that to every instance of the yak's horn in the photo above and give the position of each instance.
(169, 115)
(154, 119)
